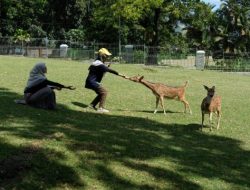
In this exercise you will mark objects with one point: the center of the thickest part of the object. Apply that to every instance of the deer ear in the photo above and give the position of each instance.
(205, 87)
(213, 87)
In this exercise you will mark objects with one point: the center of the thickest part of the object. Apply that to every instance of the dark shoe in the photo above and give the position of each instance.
(92, 107)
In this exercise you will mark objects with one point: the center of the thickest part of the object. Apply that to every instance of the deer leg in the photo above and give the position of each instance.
(157, 103)
(186, 104)
(210, 120)
(162, 104)
(210, 117)
(218, 122)
(190, 111)
(202, 120)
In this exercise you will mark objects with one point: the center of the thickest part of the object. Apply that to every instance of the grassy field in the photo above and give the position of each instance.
(129, 148)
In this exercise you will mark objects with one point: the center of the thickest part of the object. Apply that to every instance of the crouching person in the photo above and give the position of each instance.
(39, 91)
(93, 81)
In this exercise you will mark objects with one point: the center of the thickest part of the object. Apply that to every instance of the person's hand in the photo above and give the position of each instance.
(124, 76)
(70, 87)
(57, 88)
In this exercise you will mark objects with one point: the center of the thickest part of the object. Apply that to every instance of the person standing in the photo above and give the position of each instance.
(93, 81)
(39, 91)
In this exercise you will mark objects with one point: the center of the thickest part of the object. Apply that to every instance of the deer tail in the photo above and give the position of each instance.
(185, 85)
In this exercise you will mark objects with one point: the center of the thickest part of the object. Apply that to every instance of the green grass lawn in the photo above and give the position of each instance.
(130, 147)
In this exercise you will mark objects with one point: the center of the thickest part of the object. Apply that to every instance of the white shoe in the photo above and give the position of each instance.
(102, 110)
(20, 102)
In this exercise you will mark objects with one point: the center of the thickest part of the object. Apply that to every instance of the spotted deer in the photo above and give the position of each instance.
(162, 91)
(211, 104)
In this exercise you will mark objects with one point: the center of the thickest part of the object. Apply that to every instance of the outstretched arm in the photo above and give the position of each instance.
(67, 87)
(70, 87)
(59, 86)
(123, 76)
(115, 72)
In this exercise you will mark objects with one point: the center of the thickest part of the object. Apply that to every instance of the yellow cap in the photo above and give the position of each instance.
(104, 51)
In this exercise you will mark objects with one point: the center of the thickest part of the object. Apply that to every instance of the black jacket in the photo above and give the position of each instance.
(96, 74)
(41, 85)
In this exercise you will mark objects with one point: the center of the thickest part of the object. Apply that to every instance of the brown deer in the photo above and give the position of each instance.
(162, 91)
(211, 104)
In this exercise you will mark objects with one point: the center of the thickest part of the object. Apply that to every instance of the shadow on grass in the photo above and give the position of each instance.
(98, 141)
(152, 111)
(158, 112)
(81, 105)
(38, 164)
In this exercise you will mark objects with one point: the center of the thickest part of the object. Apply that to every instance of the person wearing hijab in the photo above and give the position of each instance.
(96, 72)
(39, 90)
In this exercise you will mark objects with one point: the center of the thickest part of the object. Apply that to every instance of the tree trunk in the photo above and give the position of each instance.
(152, 55)
(153, 40)
(22, 48)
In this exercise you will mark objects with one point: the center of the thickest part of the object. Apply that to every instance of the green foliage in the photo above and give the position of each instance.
(20, 14)
(37, 31)
(234, 26)
(75, 35)
(201, 26)
(151, 22)
(21, 36)
(135, 10)
(237, 64)
(139, 56)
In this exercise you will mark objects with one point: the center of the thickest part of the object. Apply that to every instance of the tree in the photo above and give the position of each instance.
(103, 25)
(158, 19)
(21, 36)
(145, 14)
(75, 36)
(234, 25)
(20, 14)
(201, 26)
(62, 16)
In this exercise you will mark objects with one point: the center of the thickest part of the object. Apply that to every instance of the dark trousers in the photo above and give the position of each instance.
(44, 98)
(101, 97)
